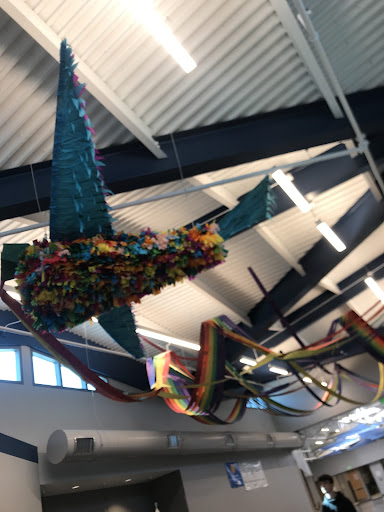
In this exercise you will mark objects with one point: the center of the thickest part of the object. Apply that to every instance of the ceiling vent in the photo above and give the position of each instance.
(84, 446)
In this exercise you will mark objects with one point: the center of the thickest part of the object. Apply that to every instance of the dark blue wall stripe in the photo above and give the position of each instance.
(16, 448)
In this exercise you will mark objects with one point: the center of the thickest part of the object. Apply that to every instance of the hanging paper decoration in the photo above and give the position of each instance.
(86, 270)
(62, 284)
(78, 207)
(255, 207)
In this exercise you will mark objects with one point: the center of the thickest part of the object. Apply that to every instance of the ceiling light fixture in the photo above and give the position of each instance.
(146, 14)
(325, 429)
(307, 379)
(168, 339)
(289, 188)
(337, 431)
(277, 369)
(14, 295)
(247, 361)
(324, 384)
(331, 236)
(319, 442)
(95, 320)
(76, 487)
(128, 479)
(375, 288)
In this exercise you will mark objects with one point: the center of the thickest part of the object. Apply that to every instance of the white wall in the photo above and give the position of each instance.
(207, 488)
(19, 485)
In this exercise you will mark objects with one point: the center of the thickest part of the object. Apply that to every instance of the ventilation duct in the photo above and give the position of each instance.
(88, 445)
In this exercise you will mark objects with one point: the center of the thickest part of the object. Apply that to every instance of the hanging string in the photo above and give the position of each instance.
(184, 185)
(37, 196)
(35, 189)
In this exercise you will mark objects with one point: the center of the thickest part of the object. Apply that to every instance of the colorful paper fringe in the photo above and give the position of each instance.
(62, 284)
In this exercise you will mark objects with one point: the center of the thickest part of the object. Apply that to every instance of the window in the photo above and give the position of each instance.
(49, 372)
(46, 370)
(10, 369)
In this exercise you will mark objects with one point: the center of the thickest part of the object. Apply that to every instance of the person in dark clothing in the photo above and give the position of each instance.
(333, 501)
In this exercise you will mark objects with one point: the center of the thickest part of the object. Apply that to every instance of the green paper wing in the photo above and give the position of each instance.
(9, 259)
(253, 208)
(120, 325)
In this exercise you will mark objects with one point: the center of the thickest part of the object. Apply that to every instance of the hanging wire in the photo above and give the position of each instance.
(37, 197)
(183, 182)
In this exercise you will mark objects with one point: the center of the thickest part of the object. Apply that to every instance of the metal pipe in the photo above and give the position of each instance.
(361, 138)
(71, 343)
(197, 188)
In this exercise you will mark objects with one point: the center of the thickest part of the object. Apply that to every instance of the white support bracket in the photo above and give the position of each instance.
(303, 48)
(28, 20)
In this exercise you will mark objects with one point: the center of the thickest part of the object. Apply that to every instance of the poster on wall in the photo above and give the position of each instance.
(253, 475)
(246, 474)
(234, 474)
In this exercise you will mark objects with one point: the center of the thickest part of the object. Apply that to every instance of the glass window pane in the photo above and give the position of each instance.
(44, 371)
(9, 365)
(70, 379)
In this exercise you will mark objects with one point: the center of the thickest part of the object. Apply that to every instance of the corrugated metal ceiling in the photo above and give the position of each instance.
(246, 65)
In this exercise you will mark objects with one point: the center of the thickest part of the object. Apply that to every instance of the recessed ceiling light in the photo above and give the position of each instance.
(246, 360)
(375, 288)
(277, 369)
(324, 384)
(75, 486)
(146, 14)
(14, 295)
(291, 191)
(307, 379)
(167, 339)
(331, 236)
(319, 442)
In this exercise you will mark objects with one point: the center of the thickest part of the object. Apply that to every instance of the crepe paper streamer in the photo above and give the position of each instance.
(119, 323)
(63, 284)
(368, 337)
(65, 356)
(9, 259)
(78, 207)
(255, 207)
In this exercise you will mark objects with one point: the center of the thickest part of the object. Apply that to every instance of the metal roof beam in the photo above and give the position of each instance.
(303, 48)
(24, 16)
(358, 223)
(130, 167)
(315, 310)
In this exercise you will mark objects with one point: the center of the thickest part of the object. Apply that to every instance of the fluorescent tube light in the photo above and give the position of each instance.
(14, 295)
(319, 442)
(331, 236)
(375, 288)
(291, 191)
(247, 361)
(168, 339)
(146, 14)
(325, 429)
(337, 430)
(277, 369)
(307, 379)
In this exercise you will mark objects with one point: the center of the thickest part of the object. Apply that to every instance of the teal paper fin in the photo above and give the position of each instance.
(254, 207)
(9, 259)
(78, 207)
(120, 325)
